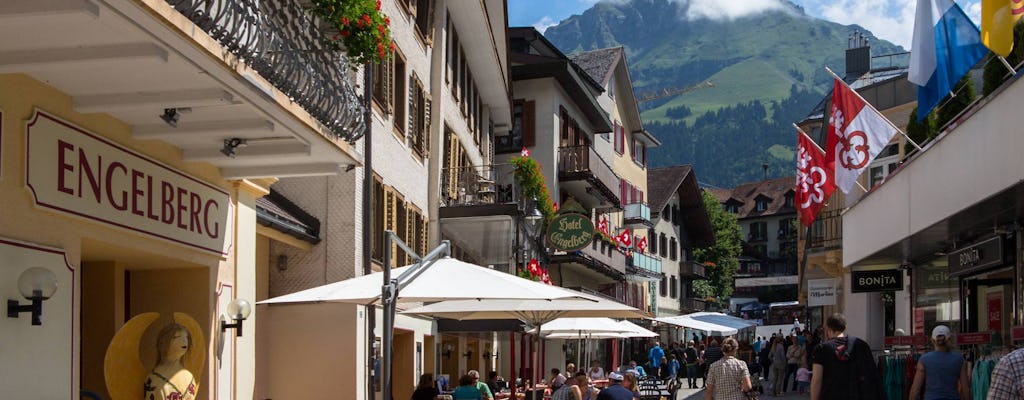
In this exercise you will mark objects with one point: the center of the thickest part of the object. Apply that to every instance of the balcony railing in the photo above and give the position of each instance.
(827, 231)
(607, 254)
(647, 263)
(692, 269)
(282, 42)
(583, 163)
(636, 214)
(479, 185)
(692, 305)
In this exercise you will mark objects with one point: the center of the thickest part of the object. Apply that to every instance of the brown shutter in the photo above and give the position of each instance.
(414, 91)
(426, 122)
(529, 123)
(453, 165)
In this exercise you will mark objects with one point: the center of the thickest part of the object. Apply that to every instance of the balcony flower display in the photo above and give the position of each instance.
(535, 272)
(530, 178)
(362, 28)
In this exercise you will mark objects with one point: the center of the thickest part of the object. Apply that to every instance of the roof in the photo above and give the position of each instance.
(773, 189)
(721, 194)
(663, 182)
(278, 212)
(599, 64)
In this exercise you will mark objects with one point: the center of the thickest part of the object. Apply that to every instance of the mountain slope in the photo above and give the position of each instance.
(773, 61)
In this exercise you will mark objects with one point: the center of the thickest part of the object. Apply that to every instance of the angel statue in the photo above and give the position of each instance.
(180, 359)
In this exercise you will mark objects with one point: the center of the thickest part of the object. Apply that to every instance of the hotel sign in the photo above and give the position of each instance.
(570, 232)
(976, 257)
(73, 171)
(885, 280)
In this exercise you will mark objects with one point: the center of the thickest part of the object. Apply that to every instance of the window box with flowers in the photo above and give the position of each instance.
(535, 272)
(363, 30)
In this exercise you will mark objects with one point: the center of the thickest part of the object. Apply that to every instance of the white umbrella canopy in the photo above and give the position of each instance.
(533, 312)
(592, 335)
(583, 325)
(688, 322)
(446, 279)
(636, 330)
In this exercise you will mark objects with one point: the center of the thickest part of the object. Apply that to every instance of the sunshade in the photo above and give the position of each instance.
(446, 279)
(687, 322)
(592, 335)
(636, 330)
(533, 312)
(582, 326)
(722, 319)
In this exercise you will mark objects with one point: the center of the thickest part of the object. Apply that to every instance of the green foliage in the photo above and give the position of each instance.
(531, 181)
(920, 132)
(995, 72)
(721, 260)
(950, 107)
(362, 28)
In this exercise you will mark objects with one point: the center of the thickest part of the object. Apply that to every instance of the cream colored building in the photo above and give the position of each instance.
(133, 149)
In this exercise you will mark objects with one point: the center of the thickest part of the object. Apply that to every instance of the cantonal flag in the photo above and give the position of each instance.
(814, 183)
(856, 134)
(997, 20)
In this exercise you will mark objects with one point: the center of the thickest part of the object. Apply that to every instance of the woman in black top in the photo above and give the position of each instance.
(426, 389)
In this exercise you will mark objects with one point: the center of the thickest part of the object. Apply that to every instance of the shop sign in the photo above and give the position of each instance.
(821, 292)
(1017, 333)
(978, 256)
(973, 338)
(917, 341)
(918, 320)
(570, 232)
(933, 277)
(73, 171)
(876, 281)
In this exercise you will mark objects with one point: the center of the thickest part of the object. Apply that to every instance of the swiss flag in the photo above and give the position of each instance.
(625, 239)
(642, 244)
(602, 224)
(813, 179)
(856, 134)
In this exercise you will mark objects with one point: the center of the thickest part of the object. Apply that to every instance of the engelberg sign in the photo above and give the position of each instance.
(570, 232)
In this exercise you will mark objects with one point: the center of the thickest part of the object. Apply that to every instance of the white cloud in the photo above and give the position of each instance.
(730, 10)
(892, 20)
(545, 23)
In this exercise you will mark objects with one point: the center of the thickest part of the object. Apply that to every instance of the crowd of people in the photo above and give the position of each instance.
(825, 364)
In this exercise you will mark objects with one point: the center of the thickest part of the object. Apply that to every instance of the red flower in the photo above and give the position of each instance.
(378, 5)
(366, 17)
(359, 22)
(387, 20)
(344, 20)
(345, 33)
(392, 46)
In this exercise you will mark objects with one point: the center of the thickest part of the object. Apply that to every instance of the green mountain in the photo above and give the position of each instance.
(767, 70)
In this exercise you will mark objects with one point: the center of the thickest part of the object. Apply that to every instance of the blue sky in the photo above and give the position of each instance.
(892, 20)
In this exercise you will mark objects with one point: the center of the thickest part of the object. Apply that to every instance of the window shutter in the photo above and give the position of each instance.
(412, 130)
(529, 123)
(622, 191)
(425, 109)
(453, 165)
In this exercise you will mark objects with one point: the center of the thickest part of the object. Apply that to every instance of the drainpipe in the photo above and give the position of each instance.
(371, 312)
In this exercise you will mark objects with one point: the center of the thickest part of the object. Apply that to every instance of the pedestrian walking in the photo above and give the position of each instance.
(655, 355)
(794, 357)
(615, 390)
(691, 356)
(843, 366)
(803, 379)
(728, 378)
(711, 355)
(778, 372)
(1007, 382)
(942, 374)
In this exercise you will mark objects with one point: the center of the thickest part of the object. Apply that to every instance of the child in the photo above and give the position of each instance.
(803, 379)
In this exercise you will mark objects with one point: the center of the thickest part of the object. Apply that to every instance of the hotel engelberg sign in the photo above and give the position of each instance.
(73, 171)
(570, 232)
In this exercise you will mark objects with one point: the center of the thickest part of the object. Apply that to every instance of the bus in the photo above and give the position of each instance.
(785, 312)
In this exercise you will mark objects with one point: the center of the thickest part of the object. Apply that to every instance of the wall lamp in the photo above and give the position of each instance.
(35, 284)
(230, 145)
(447, 351)
(238, 311)
(468, 354)
(487, 354)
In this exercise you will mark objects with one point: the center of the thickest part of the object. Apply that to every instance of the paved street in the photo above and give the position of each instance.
(698, 394)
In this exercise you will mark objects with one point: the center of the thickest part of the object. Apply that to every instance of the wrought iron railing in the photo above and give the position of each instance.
(687, 304)
(692, 269)
(479, 185)
(827, 231)
(282, 42)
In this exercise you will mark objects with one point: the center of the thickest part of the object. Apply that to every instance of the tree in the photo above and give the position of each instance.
(949, 108)
(721, 259)
(921, 132)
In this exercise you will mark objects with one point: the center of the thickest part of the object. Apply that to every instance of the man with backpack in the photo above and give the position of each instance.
(843, 366)
(690, 355)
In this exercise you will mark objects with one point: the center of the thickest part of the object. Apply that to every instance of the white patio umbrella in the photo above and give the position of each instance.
(532, 312)
(446, 279)
(636, 330)
(581, 329)
(688, 322)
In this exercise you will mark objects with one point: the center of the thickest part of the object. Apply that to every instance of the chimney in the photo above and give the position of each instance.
(858, 55)
(765, 168)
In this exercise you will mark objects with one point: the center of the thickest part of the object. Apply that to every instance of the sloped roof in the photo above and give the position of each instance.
(773, 189)
(722, 195)
(599, 63)
(277, 211)
(663, 182)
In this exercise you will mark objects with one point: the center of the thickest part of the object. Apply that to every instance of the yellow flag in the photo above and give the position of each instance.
(997, 20)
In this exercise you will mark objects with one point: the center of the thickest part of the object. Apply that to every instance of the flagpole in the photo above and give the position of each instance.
(801, 131)
(873, 108)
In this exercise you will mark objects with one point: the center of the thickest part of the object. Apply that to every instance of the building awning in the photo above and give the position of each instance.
(767, 281)
(278, 212)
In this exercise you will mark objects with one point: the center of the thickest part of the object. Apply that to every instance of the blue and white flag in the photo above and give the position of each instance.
(946, 45)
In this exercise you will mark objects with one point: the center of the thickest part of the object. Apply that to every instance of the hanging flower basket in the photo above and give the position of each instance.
(363, 30)
(531, 180)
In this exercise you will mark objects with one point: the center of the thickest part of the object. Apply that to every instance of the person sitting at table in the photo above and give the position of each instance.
(632, 382)
(581, 388)
(557, 379)
(426, 389)
(596, 372)
(563, 392)
(570, 371)
(485, 391)
(467, 389)
(492, 382)
(615, 390)
(635, 369)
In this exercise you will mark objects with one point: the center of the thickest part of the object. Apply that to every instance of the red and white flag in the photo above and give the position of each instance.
(625, 239)
(642, 244)
(814, 182)
(856, 134)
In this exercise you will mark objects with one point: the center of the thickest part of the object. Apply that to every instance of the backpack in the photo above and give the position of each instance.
(866, 376)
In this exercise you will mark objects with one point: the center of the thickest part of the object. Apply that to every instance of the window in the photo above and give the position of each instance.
(450, 52)
(654, 243)
(620, 138)
(424, 12)
(663, 244)
(382, 82)
(677, 216)
(419, 116)
(667, 213)
(884, 164)
(673, 287)
(762, 204)
(611, 87)
(673, 249)
(789, 200)
(399, 93)
(639, 153)
(758, 231)
(664, 286)
(754, 267)
(733, 208)
(786, 228)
